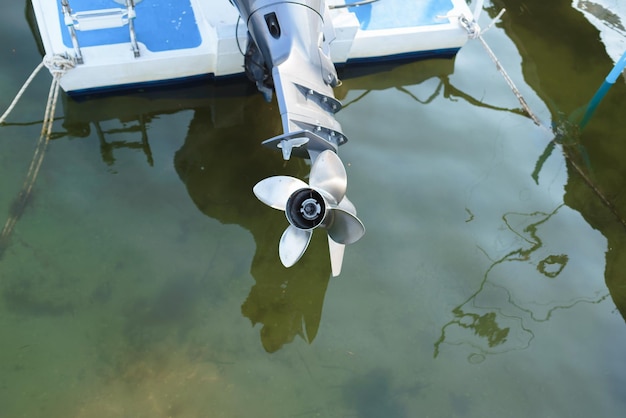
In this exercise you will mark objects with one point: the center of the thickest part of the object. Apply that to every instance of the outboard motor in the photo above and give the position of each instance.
(288, 52)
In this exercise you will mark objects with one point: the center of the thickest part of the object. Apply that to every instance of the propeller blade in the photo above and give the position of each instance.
(345, 228)
(336, 256)
(275, 191)
(293, 244)
(347, 205)
(329, 174)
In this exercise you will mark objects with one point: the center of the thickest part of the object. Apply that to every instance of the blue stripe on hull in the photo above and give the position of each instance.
(409, 56)
(354, 63)
(160, 25)
(144, 85)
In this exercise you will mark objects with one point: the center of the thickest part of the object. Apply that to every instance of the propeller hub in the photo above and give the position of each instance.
(306, 209)
(310, 209)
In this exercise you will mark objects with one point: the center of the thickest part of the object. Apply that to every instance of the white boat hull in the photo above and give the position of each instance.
(214, 41)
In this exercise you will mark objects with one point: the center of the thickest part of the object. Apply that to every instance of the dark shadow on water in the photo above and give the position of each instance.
(23, 297)
(373, 395)
(174, 306)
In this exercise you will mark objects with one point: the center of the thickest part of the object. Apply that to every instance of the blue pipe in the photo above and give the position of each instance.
(617, 70)
(604, 88)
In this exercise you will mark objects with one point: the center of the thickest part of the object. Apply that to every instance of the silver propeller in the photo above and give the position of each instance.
(321, 203)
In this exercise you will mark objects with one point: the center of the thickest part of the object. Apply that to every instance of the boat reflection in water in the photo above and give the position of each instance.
(220, 161)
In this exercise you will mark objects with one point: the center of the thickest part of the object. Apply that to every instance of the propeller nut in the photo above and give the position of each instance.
(310, 209)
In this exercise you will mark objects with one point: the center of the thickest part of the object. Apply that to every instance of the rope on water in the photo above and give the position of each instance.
(474, 32)
(57, 65)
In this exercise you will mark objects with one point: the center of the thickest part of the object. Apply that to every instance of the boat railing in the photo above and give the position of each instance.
(99, 19)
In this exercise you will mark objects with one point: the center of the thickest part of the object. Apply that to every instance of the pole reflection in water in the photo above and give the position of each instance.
(595, 179)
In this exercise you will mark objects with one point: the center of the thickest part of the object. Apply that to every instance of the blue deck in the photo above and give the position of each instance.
(390, 14)
(160, 25)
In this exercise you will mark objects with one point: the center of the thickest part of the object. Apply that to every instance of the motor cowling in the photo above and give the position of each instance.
(278, 29)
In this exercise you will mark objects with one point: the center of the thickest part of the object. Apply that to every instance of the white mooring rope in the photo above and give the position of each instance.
(58, 65)
(474, 32)
(21, 92)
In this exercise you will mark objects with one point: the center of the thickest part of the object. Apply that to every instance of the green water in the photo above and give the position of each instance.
(143, 280)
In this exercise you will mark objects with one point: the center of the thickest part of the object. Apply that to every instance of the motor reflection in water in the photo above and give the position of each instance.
(219, 164)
